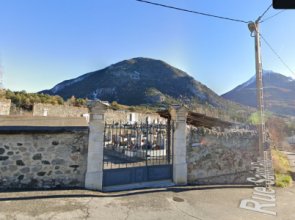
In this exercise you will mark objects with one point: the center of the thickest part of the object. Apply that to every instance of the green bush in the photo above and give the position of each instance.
(283, 180)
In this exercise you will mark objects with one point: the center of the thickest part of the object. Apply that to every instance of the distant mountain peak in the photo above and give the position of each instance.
(138, 81)
(279, 93)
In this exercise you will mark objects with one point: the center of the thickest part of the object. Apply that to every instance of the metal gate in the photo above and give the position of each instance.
(138, 152)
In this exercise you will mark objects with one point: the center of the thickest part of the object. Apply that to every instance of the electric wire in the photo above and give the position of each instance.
(194, 12)
(272, 16)
(261, 16)
(230, 19)
(277, 55)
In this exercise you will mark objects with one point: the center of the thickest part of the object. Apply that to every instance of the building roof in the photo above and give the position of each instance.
(200, 120)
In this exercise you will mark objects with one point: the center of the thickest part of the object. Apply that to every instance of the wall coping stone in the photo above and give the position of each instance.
(40, 129)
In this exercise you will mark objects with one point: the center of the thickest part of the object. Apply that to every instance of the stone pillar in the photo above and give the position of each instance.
(5, 105)
(179, 116)
(94, 174)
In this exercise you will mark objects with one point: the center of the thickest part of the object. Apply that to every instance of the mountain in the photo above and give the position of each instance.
(279, 93)
(139, 81)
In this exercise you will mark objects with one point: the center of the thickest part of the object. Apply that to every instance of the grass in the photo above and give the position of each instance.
(283, 180)
(282, 169)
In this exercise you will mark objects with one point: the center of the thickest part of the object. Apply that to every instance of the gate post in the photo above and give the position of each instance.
(94, 174)
(179, 116)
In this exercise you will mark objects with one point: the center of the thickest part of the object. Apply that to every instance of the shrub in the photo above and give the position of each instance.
(283, 180)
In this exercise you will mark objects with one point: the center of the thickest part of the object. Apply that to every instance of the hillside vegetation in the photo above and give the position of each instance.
(25, 101)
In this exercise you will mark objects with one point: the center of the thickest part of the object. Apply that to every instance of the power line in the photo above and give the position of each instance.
(229, 19)
(194, 12)
(278, 56)
(261, 16)
(272, 16)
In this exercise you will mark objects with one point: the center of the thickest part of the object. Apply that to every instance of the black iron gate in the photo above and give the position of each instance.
(138, 152)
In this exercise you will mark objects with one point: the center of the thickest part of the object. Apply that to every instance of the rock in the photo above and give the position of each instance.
(3, 158)
(74, 157)
(58, 161)
(41, 173)
(25, 170)
(7, 162)
(33, 183)
(74, 182)
(10, 153)
(21, 177)
(19, 144)
(55, 143)
(41, 149)
(37, 157)
(12, 168)
(50, 149)
(46, 162)
(22, 149)
(6, 147)
(74, 166)
(36, 168)
(20, 163)
(75, 149)
(16, 157)
(2, 151)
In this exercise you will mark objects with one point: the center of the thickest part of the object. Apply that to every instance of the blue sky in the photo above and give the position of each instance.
(45, 42)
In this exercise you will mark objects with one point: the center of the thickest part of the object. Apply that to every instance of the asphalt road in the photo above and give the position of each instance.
(190, 202)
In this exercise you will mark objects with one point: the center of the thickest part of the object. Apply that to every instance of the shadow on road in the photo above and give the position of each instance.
(95, 194)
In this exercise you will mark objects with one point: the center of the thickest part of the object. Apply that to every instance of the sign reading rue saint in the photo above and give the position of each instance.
(263, 199)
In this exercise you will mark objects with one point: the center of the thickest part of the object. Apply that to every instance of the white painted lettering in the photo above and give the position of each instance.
(264, 197)
(254, 180)
(264, 190)
(256, 206)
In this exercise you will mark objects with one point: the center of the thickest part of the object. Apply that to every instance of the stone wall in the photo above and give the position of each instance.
(131, 117)
(55, 157)
(220, 157)
(58, 110)
(291, 140)
(5, 106)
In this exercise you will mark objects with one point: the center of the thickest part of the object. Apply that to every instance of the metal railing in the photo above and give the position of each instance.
(138, 144)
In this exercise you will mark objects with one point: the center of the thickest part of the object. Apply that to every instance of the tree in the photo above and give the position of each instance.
(277, 130)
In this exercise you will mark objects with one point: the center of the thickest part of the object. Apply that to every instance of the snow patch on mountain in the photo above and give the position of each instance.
(253, 79)
(248, 83)
(66, 83)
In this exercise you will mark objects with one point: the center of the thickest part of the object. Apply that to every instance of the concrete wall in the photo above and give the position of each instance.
(5, 106)
(216, 157)
(58, 110)
(53, 157)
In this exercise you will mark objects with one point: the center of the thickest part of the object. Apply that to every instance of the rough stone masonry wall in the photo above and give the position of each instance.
(58, 110)
(5, 106)
(43, 160)
(216, 157)
(124, 117)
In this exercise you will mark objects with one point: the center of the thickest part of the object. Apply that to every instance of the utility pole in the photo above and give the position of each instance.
(254, 28)
(263, 153)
